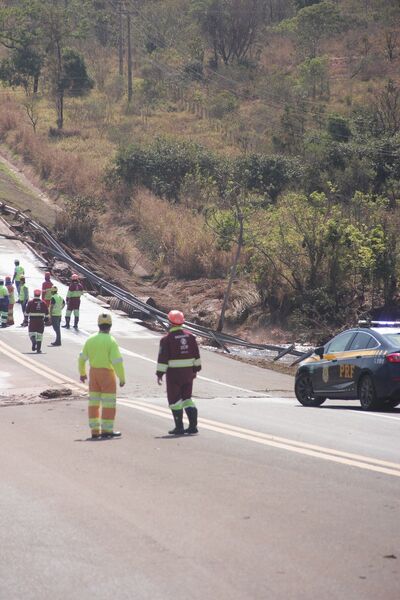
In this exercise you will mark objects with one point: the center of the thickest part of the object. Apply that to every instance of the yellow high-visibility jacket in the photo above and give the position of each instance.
(102, 352)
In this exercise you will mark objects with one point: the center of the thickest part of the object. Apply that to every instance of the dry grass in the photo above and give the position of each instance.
(176, 238)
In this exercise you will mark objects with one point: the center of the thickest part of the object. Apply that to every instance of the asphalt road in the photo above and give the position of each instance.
(270, 501)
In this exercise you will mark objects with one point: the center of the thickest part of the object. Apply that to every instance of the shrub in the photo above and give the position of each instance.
(223, 104)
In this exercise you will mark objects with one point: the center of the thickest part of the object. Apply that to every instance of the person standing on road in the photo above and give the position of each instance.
(179, 358)
(56, 306)
(4, 303)
(18, 273)
(46, 288)
(105, 360)
(23, 297)
(36, 312)
(74, 294)
(11, 296)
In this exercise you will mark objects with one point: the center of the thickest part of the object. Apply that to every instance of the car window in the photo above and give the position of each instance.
(363, 340)
(339, 343)
(373, 343)
(393, 338)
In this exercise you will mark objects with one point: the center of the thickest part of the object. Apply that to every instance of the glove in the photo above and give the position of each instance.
(83, 378)
(159, 379)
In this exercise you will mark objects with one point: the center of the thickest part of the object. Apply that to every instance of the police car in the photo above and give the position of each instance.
(361, 363)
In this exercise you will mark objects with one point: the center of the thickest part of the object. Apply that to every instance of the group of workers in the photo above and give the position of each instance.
(45, 308)
(178, 357)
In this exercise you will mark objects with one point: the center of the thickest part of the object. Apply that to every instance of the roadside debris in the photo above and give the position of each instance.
(56, 393)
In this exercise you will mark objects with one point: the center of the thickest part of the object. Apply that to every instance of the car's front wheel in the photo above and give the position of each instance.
(367, 393)
(304, 391)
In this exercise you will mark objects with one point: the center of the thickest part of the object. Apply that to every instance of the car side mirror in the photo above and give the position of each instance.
(320, 351)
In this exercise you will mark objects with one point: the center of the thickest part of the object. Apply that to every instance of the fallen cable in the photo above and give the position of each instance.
(222, 339)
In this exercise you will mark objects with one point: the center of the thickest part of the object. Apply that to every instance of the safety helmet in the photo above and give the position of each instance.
(16, 261)
(74, 277)
(104, 319)
(47, 275)
(37, 293)
(22, 278)
(54, 289)
(176, 317)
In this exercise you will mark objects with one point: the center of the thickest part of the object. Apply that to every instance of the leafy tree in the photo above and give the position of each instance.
(20, 34)
(314, 23)
(338, 128)
(231, 26)
(314, 76)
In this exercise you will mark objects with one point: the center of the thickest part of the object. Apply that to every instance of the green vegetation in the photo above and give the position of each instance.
(256, 137)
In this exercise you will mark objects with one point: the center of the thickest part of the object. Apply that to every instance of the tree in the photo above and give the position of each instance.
(387, 108)
(229, 219)
(231, 26)
(314, 23)
(20, 34)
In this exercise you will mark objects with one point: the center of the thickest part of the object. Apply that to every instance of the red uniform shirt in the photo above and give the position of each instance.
(37, 311)
(74, 294)
(179, 355)
(46, 295)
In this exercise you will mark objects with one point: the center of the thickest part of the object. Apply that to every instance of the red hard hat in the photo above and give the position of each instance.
(47, 275)
(74, 277)
(176, 317)
(37, 292)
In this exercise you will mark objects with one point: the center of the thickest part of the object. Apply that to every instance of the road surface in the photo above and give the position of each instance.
(270, 501)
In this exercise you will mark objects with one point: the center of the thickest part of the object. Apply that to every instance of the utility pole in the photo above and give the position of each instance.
(129, 48)
(120, 40)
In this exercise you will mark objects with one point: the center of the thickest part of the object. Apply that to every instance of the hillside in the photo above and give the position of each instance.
(175, 133)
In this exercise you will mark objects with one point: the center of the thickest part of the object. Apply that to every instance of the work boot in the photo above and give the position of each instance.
(76, 321)
(178, 418)
(55, 344)
(67, 320)
(110, 434)
(191, 413)
(96, 435)
(39, 347)
(33, 344)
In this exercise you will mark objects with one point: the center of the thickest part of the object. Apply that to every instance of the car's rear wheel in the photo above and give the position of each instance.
(304, 391)
(367, 394)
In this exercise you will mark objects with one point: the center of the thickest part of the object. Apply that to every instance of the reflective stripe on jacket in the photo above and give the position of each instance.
(57, 304)
(178, 350)
(102, 352)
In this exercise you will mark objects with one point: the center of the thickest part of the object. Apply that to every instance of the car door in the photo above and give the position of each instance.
(361, 355)
(325, 375)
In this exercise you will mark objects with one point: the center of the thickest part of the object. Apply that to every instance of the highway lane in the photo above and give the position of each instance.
(271, 500)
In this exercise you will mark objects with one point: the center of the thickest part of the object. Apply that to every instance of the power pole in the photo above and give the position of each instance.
(120, 40)
(129, 48)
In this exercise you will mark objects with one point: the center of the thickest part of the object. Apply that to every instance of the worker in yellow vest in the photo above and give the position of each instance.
(4, 302)
(18, 273)
(105, 360)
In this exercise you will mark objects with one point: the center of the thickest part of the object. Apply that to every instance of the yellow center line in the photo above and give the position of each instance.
(42, 370)
(356, 460)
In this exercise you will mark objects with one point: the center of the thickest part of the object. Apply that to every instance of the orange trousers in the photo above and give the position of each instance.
(102, 400)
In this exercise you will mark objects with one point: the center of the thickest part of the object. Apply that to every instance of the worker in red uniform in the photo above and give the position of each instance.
(36, 312)
(74, 294)
(179, 358)
(11, 297)
(46, 288)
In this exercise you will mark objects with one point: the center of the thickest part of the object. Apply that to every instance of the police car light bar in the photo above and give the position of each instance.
(379, 323)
